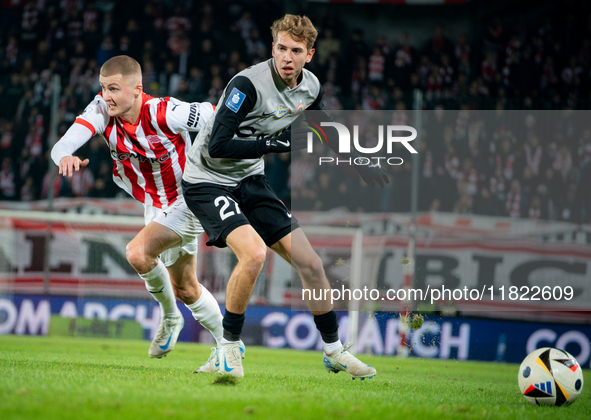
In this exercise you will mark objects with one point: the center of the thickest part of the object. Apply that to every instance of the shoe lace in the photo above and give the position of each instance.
(162, 332)
(347, 346)
(235, 351)
(350, 358)
(213, 355)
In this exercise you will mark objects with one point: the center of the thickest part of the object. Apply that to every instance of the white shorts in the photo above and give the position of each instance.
(180, 220)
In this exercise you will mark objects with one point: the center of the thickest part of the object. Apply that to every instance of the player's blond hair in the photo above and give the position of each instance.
(124, 65)
(299, 27)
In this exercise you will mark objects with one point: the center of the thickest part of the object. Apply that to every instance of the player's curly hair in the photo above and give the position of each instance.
(123, 65)
(299, 27)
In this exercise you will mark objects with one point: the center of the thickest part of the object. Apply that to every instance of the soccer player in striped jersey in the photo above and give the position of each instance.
(225, 187)
(148, 140)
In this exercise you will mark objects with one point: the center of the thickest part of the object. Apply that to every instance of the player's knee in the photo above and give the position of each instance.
(258, 257)
(316, 265)
(312, 268)
(136, 258)
(255, 259)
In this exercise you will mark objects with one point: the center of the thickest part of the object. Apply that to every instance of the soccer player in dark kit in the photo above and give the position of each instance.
(225, 187)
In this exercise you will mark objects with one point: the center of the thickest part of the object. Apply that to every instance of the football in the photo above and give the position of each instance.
(549, 376)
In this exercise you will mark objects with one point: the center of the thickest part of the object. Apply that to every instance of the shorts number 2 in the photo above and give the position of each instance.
(225, 201)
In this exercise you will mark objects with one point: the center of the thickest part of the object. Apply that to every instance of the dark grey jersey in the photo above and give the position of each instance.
(256, 104)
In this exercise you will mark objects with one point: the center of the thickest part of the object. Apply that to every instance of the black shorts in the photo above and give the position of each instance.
(221, 209)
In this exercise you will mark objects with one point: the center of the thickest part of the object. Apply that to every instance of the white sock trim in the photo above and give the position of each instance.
(330, 348)
(193, 307)
(154, 273)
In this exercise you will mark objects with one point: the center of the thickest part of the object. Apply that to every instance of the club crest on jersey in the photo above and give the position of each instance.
(300, 108)
(153, 140)
(235, 100)
(282, 111)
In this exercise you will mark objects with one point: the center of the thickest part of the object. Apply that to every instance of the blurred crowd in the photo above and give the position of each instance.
(518, 164)
(191, 49)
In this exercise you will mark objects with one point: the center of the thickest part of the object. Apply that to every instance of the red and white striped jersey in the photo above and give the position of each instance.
(149, 156)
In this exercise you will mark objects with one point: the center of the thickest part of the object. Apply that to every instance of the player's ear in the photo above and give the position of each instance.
(310, 55)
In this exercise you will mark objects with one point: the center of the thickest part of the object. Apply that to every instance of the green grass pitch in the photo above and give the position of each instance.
(62, 378)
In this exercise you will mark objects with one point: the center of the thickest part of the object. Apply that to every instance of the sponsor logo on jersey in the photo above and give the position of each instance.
(282, 111)
(300, 108)
(122, 157)
(193, 115)
(235, 100)
(153, 140)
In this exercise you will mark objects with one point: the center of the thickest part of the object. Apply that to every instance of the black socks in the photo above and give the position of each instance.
(328, 326)
(233, 324)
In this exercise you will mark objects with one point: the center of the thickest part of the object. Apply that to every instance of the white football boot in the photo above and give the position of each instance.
(213, 363)
(342, 360)
(230, 360)
(166, 336)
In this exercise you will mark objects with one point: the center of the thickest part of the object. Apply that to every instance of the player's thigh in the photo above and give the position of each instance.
(246, 243)
(265, 212)
(180, 220)
(297, 250)
(217, 209)
(153, 239)
(183, 272)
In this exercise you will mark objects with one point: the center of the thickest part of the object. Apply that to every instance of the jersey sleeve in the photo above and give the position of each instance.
(239, 99)
(95, 116)
(184, 116)
(93, 120)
